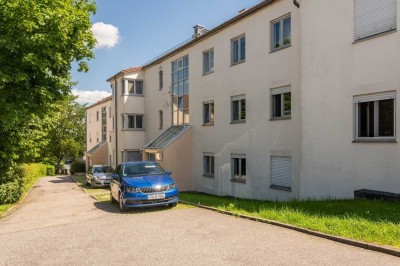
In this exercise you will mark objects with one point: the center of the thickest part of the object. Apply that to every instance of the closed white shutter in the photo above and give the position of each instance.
(280, 90)
(374, 16)
(375, 97)
(281, 171)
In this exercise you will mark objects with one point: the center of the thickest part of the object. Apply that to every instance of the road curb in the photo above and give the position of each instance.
(347, 241)
(13, 208)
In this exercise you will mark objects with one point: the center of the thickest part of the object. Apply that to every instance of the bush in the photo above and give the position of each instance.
(34, 170)
(10, 192)
(78, 167)
(50, 170)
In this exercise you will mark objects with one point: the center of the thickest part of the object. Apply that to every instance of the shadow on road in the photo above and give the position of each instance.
(113, 208)
(62, 179)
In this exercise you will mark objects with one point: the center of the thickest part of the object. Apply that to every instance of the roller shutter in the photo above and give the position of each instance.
(281, 171)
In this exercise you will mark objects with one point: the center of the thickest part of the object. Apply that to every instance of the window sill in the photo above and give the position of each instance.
(288, 189)
(238, 180)
(375, 36)
(208, 175)
(208, 73)
(374, 141)
(280, 118)
(238, 122)
(237, 63)
(133, 129)
(279, 49)
(208, 125)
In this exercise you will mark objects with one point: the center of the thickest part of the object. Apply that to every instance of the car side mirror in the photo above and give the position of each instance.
(115, 176)
(168, 172)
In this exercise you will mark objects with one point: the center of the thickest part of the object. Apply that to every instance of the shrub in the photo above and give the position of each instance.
(34, 170)
(78, 167)
(50, 170)
(10, 192)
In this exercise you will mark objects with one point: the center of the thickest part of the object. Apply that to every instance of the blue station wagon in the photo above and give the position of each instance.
(142, 184)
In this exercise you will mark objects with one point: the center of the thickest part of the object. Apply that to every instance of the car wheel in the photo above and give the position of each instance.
(112, 198)
(172, 204)
(122, 206)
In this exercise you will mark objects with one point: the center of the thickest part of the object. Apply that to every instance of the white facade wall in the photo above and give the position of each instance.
(333, 70)
(93, 127)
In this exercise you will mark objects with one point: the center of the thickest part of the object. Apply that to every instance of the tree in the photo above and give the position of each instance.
(39, 41)
(67, 138)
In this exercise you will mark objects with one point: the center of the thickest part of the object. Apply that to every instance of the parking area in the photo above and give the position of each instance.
(59, 224)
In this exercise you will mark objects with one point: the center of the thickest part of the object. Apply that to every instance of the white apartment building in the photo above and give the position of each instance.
(289, 99)
(97, 132)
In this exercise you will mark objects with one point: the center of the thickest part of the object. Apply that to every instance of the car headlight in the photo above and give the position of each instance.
(173, 185)
(132, 189)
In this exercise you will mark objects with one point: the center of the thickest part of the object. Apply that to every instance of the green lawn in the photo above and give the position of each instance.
(370, 221)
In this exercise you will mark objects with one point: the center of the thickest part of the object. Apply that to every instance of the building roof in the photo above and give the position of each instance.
(126, 71)
(167, 137)
(95, 148)
(190, 42)
(109, 98)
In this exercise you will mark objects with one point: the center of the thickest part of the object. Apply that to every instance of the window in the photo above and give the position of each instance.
(109, 138)
(97, 116)
(110, 160)
(375, 116)
(112, 91)
(208, 111)
(180, 91)
(109, 112)
(238, 49)
(281, 172)
(161, 117)
(97, 137)
(238, 109)
(239, 168)
(373, 17)
(104, 123)
(208, 164)
(132, 156)
(281, 102)
(135, 87)
(281, 33)
(208, 61)
(161, 80)
(132, 121)
(90, 137)
(113, 127)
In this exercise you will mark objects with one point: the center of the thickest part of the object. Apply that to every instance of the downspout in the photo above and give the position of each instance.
(296, 3)
(116, 121)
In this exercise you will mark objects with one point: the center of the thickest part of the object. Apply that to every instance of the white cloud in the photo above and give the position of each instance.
(89, 97)
(107, 35)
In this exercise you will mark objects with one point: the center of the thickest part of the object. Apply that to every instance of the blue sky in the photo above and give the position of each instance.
(132, 32)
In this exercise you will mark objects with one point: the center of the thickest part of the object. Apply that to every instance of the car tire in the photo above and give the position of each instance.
(122, 206)
(173, 204)
(112, 198)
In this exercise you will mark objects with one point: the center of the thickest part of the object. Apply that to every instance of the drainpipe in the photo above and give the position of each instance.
(296, 3)
(116, 121)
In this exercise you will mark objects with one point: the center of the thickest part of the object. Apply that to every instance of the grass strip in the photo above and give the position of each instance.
(375, 222)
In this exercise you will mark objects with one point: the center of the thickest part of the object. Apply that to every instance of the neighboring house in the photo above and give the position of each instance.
(279, 102)
(97, 132)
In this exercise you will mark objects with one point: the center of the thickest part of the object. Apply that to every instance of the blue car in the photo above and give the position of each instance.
(142, 184)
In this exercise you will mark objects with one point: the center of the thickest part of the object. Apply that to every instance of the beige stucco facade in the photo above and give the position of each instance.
(323, 68)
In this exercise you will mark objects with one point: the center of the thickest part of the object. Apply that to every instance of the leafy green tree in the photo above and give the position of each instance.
(39, 39)
(66, 140)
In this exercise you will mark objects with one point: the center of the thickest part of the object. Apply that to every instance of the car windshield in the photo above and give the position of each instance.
(142, 169)
(103, 170)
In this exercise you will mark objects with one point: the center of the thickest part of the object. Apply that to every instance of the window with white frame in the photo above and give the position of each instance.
(372, 17)
(208, 113)
(132, 156)
(208, 61)
(180, 91)
(281, 102)
(281, 33)
(375, 116)
(281, 172)
(208, 164)
(238, 106)
(132, 121)
(239, 168)
(238, 49)
(135, 87)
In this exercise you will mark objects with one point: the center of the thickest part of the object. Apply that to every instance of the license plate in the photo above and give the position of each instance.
(156, 196)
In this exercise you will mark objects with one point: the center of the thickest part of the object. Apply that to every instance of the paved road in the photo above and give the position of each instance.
(59, 224)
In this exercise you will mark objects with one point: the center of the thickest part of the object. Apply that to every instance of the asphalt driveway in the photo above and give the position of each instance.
(59, 224)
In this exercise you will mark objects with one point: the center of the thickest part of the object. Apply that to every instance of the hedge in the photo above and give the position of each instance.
(50, 170)
(78, 167)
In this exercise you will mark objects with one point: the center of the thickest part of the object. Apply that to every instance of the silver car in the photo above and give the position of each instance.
(99, 176)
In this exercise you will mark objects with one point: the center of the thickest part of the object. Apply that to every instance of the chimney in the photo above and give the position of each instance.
(198, 30)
